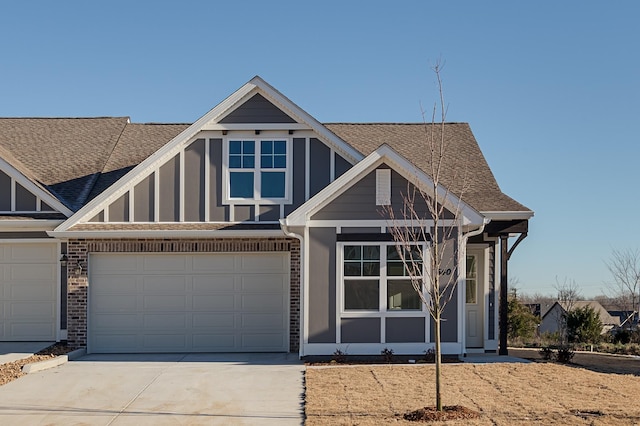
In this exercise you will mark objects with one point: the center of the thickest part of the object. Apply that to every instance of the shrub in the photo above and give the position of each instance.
(339, 356)
(387, 355)
(430, 355)
(565, 355)
(584, 325)
(622, 336)
(546, 353)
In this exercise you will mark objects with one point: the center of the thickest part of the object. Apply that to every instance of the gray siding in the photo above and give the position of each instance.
(299, 159)
(194, 159)
(170, 190)
(25, 200)
(98, 218)
(322, 285)
(405, 330)
(244, 214)
(217, 211)
(257, 110)
(5, 192)
(269, 213)
(119, 209)
(341, 166)
(319, 167)
(449, 325)
(360, 230)
(360, 330)
(143, 202)
(359, 201)
(46, 207)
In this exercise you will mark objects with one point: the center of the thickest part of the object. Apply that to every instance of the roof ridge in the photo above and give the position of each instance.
(392, 123)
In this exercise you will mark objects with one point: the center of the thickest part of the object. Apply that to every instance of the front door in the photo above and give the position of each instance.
(474, 303)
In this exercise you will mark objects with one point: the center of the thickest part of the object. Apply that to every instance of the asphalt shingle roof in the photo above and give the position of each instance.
(78, 158)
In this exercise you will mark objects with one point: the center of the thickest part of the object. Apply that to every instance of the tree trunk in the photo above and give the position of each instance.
(438, 359)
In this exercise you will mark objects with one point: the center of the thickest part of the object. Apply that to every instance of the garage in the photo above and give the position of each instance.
(28, 291)
(204, 302)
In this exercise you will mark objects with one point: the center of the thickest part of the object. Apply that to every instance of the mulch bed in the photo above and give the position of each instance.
(449, 412)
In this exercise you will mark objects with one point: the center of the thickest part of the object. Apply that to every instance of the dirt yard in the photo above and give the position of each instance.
(505, 394)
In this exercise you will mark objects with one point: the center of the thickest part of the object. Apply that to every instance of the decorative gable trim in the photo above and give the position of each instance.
(40, 192)
(384, 154)
(211, 121)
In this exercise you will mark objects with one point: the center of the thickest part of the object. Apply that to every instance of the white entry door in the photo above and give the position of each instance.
(474, 303)
(236, 302)
(28, 291)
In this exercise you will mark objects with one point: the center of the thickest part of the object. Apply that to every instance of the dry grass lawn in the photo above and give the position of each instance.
(504, 394)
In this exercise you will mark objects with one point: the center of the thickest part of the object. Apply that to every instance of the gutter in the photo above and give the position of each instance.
(285, 229)
(167, 233)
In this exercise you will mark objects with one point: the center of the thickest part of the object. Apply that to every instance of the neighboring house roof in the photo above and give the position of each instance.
(605, 317)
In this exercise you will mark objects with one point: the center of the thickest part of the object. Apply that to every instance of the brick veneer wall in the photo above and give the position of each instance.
(78, 253)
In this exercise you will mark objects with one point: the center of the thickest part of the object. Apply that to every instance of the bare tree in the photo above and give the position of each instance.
(431, 267)
(624, 266)
(568, 295)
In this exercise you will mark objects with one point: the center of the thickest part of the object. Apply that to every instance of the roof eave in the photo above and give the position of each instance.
(235, 233)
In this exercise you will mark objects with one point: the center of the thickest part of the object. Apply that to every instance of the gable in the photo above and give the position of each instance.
(21, 196)
(257, 109)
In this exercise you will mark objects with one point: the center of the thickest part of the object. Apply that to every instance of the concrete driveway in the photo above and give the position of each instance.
(171, 389)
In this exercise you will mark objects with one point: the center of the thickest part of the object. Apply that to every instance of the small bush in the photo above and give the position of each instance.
(622, 336)
(546, 353)
(565, 355)
(430, 355)
(339, 357)
(387, 355)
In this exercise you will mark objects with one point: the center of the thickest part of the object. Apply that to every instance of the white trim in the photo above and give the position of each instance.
(132, 198)
(418, 349)
(522, 215)
(332, 165)
(167, 234)
(207, 179)
(156, 195)
(257, 126)
(307, 168)
(30, 225)
(305, 290)
(377, 223)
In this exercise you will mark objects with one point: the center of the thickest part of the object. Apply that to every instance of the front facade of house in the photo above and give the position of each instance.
(254, 229)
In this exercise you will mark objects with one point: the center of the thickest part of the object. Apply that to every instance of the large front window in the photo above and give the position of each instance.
(258, 169)
(375, 277)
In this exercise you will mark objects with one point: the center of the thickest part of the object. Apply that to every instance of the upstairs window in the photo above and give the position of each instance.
(258, 169)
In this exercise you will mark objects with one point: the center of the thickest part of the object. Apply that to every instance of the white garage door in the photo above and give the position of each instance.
(28, 291)
(188, 302)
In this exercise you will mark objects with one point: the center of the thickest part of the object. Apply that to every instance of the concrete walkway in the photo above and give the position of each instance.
(166, 389)
(14, 351)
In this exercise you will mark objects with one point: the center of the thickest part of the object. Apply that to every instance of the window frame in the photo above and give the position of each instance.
(257, 171)
(383, 281)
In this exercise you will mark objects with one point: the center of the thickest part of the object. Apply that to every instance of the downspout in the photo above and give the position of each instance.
(300, 238)
(463, 243)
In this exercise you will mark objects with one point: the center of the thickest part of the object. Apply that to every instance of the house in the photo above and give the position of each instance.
(552, 320)
(232, 233)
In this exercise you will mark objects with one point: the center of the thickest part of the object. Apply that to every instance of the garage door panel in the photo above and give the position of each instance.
(263, 283)
(213, 284)
(28, 291)
(164, 303)
(26, 310)
(165, 284)
(219, 264)
(31, 253)
(261, 302)
(164, 263)
(222, 302)
(119, 304)
(164, 321)
(204, 302)
(114, 265)
(214, 321)
(262, 321)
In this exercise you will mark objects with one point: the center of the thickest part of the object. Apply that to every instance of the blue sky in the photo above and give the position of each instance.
(551, 89)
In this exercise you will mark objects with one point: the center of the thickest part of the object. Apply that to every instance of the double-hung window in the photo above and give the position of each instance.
(258, 169)
(375, 277)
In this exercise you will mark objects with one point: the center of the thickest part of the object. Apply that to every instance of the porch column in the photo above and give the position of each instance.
(503, 310)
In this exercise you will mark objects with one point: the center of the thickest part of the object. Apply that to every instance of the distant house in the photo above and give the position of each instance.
(552, 319)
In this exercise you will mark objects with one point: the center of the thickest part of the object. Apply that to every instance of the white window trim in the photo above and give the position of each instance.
(383, 278)
(257, 199)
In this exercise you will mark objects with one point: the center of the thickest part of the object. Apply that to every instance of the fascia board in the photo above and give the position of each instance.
(167, 234)
(35, 188)
(505, 215)
(29, 225)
